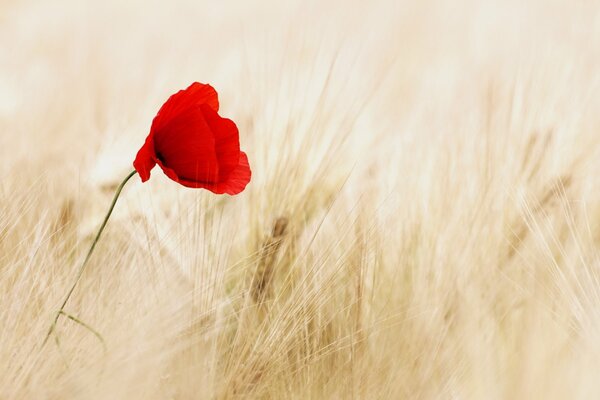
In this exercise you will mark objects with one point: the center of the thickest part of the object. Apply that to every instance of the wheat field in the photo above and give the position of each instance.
(423, 220)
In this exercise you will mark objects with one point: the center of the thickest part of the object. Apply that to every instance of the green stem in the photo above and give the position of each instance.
(87, 257)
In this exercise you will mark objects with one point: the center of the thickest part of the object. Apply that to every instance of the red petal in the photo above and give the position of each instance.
(195, 95)
(194, 145)
(236, 183)
(227, 142)
(144, 160)
(187, 147)
(238, 179)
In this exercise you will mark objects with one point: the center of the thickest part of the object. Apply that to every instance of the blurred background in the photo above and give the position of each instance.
(423, 219)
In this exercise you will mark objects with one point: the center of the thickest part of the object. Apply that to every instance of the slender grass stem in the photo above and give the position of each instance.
(85, 261)
(86, 326)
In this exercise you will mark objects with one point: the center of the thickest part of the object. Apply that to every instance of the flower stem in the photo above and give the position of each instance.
(87, 257)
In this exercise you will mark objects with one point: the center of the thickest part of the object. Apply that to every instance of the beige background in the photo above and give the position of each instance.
(423, 219)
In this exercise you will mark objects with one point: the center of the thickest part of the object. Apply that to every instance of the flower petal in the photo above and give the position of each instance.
(227, 142)
(186, 146)
(145, 159)
(236, 183)
(195, 146)
(238, 178)
(194, 95)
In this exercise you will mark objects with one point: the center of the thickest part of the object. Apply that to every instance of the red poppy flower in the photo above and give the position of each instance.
(194, 145)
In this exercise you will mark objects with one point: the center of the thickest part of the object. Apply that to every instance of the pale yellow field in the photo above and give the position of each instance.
(423, 220)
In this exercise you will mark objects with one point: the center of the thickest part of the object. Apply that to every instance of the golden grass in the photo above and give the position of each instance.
(423, 220)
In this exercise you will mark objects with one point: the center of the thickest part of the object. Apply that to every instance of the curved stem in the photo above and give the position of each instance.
(89, 254)
(86, 326)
